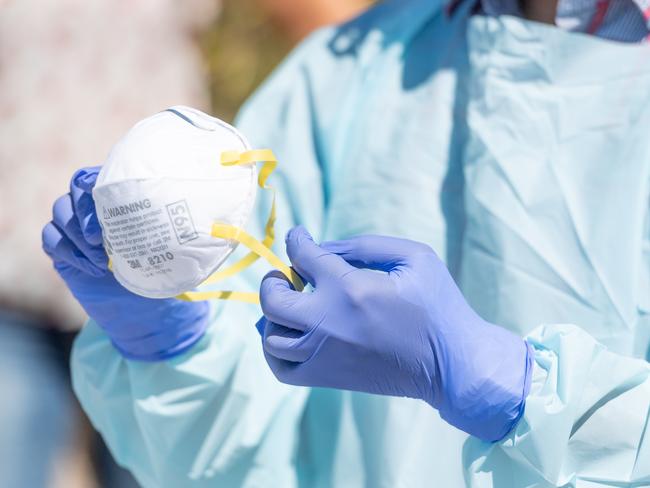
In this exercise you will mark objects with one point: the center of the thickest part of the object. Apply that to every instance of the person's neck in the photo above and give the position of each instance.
(540, 10)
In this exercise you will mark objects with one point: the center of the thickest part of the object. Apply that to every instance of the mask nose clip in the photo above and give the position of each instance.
(194, 117)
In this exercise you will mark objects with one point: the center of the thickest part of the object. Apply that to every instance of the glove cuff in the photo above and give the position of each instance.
(490, 404)
(169, 340)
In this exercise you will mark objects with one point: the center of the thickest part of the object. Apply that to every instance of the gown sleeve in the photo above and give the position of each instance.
(216, 416)
(585, 423)
(587, 418)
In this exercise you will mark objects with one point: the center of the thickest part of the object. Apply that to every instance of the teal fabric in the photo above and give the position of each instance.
(557, 190)
(520, 154)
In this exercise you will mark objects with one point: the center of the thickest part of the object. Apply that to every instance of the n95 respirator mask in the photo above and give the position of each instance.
(173, 198)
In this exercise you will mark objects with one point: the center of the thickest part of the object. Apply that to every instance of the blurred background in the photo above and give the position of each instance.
(74, 76)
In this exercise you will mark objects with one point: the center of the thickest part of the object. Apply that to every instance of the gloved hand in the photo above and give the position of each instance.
(140, 328)
(386, 317)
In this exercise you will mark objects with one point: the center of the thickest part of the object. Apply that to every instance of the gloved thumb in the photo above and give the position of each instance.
(85, 178)
(309, 260)
(81, 188)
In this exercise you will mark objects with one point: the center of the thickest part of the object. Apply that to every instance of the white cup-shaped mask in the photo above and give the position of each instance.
(158, 195)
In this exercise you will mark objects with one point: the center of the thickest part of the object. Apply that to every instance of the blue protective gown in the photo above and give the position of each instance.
(520, 153)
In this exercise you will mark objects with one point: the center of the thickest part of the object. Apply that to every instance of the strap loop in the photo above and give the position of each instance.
(258, 249)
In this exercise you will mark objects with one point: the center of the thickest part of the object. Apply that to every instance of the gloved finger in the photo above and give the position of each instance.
(81, 187)
(310, 261)
(284, 305)
(63, 217)
(380, 253)
(286, 372)
(61, 249)
(286, 344)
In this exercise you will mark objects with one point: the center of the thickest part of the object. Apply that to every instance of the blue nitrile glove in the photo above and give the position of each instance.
(140, 328)
(403, 329)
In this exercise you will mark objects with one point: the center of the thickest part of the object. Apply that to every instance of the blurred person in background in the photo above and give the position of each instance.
(251, 37)
(74, 75)
(299, 17)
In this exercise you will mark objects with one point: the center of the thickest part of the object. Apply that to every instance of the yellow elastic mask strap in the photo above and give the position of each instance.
(258, 249)
(230, 232)
(232, 158)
